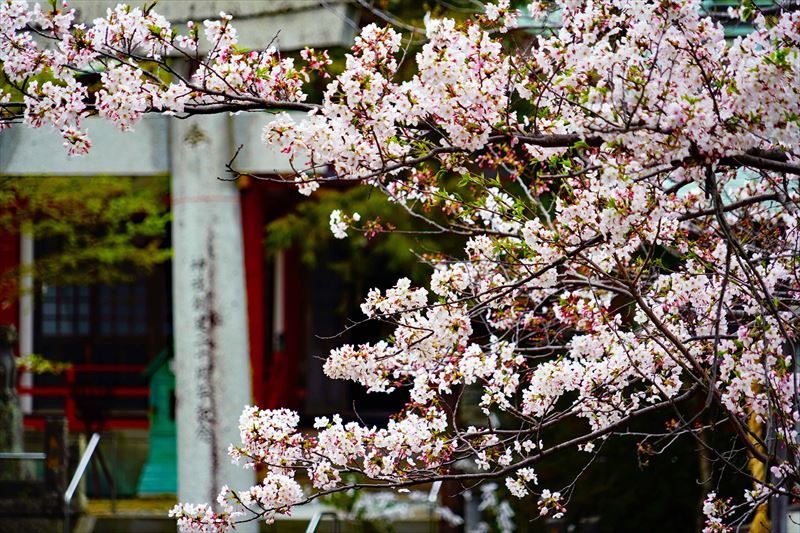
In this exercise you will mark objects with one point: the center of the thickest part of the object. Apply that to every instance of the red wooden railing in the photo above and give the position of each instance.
(73, 390)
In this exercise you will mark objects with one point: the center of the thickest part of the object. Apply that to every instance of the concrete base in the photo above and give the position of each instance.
(84, 524)
(30, 525)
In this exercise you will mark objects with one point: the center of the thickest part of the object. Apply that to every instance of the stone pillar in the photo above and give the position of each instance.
(212, 366)
(10, 415)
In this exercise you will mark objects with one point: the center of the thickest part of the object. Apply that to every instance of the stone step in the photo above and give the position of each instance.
(131, 523)
(162, 525)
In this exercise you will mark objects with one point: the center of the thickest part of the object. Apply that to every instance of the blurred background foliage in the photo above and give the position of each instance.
(89, 231)
(388, 239)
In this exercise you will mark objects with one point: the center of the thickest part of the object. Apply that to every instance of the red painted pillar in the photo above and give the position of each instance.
(281, 388)
(9, 263)
(253, 231)
(293, 309)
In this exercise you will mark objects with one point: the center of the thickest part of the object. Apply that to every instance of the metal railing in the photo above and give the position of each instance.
(83, 464)
(76, 478)
(433, 497)
(317, 518)
(24, 456)
(433, 500)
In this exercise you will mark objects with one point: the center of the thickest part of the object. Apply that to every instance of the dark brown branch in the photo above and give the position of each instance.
(774, 161)
(731, 207)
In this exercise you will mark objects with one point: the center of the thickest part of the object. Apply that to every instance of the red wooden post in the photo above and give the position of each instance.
(252, 206)
(9, 261)
(281, 389)
(293, 333)
(69, 400)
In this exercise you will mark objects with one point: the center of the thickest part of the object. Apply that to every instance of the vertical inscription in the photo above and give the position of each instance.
(207, 322)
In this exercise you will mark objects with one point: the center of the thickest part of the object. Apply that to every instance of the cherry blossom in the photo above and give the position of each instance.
(625, 188)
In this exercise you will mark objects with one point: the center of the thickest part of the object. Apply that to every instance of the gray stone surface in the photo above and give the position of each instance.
(143, 152)
(212, 361)
(255, 156)
(300, 23)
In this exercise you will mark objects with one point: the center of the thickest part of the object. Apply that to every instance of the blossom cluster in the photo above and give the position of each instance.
(625, 189)
(131, 49)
